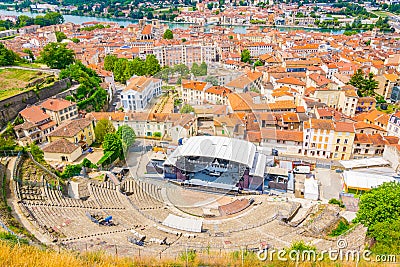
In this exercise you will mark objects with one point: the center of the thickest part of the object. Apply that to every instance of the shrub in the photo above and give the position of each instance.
(334, 201)
(341, 228)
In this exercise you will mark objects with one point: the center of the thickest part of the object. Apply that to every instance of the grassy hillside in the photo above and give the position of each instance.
(15, 81)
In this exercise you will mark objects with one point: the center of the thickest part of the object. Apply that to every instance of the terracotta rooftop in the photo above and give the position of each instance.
(344, 127)
(138, 83)
(56, 104)
(218, 90)
(320, 124)
(291, 80)
(284, 135)
(71, 128)
(60, 146)
(194, 85)
(34, 114)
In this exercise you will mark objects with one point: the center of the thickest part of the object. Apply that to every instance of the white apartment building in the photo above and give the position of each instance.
(139, 91)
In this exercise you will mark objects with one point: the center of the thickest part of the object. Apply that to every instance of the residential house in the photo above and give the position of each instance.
(285, 141)
(386, 82)
(348, 101)
(37, 124)
(60, 110)
(193, 92)
(291, 82)
(250, 81)
(365, 103)
(318, 138)
(78, 131)
(392, 154)
(217, 95)
(343, 140)
(371, 145)
(62, 150)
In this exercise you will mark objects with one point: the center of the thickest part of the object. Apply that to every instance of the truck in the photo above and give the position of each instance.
(302, 169)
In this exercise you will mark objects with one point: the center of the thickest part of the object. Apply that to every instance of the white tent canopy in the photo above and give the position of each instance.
(364, 180)
(185, 224)
(216, 147)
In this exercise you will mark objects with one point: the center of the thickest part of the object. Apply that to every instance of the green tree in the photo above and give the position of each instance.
(187, 109)
(23, 21)
(30, 53)
(57, 55)
(157, 134)
(212, 79)
(258, 63)
(102, 128)
(36, 152)
(127, 136)
(112, 142)
(109, 62)
(370, 85)
(75, 40)
(357, 80)
(119, 70)
(168, 34)
(380, 204)
(195, 69)
(366, 85)
(203, 69)
(245, 56)
(151, 65)
(136, 66)
(379, 210)
(71, 170)
(60, 36)
(7, 56)
(387, 237)
(181, 69)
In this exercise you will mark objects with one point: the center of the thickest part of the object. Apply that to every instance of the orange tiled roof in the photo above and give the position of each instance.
(194, 85)
(34, 114)
(219, 90)
(344, 127)
(284, 135)
(321, 124)
(147, 29)
(56, 104)
(291, 80)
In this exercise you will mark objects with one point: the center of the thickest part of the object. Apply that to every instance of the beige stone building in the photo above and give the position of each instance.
(78, 131)
(62, 150)
(60, 110)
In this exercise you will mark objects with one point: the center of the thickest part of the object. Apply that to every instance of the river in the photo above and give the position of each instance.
(172, 25)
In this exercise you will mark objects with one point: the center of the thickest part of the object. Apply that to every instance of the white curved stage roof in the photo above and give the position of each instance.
(219, 147)
(185, 224)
